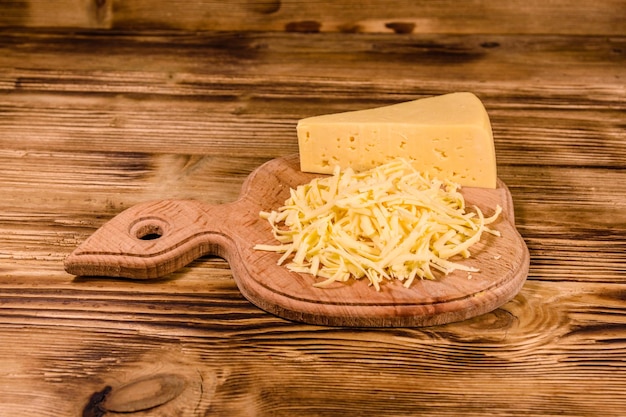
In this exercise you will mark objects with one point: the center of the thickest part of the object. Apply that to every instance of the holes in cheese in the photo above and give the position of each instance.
(448, 136)
(390, 222)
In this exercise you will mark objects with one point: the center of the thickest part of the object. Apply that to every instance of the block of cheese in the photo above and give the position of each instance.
(447, 137)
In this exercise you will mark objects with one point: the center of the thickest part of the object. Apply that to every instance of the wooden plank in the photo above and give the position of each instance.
(264, 127)
(486, 16)
(149, 91)
(166, 60)
(547, 340)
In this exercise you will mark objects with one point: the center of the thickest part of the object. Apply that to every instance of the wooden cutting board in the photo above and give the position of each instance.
(156, 238)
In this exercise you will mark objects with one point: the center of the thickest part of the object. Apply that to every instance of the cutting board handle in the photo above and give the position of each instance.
(152, 239)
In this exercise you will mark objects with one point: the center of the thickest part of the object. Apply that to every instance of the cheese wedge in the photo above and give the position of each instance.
(447, 137)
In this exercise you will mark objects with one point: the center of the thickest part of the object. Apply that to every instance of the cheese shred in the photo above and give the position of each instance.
(388, 223)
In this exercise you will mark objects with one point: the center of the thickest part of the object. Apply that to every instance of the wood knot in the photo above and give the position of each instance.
(304, 26)
(350, 28)
(401, 28)
(145, 393)
(264, 7)
(94, 406)
(489, 45)
(100, 13)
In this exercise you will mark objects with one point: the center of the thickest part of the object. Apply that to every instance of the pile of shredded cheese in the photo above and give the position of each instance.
(390, 222)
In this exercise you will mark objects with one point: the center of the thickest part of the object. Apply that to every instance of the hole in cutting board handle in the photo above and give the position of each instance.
(150, 228)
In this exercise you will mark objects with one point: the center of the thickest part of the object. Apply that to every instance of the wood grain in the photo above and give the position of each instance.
(97, 119)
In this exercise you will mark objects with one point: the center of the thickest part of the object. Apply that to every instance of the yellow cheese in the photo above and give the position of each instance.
(446, 136)
(386, 223)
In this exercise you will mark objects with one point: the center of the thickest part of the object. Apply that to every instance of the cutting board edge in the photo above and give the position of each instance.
(392, 316)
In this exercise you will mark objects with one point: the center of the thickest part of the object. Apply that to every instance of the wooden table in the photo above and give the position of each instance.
(106, 104)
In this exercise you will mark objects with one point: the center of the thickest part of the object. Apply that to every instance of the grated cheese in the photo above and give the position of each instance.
(389, 222)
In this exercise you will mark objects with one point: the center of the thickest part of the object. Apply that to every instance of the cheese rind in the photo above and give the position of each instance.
(447, 137)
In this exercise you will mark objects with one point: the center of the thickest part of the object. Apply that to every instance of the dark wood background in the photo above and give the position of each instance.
(105, 104)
